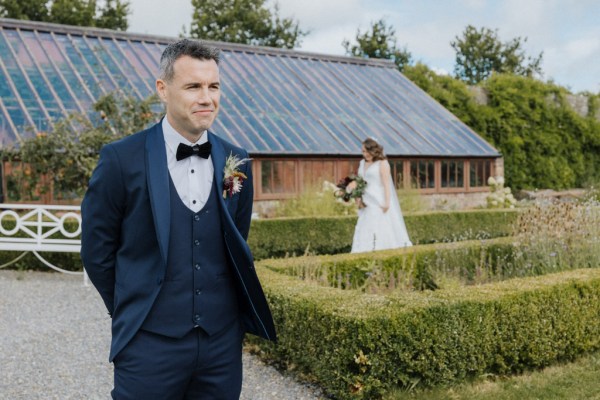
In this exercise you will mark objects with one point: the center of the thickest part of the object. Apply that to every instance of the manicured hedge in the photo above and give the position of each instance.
(359, 345)
(274, 238)
(420, 267)
(281, 237)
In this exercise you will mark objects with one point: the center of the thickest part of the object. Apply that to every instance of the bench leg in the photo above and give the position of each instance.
(13, 261)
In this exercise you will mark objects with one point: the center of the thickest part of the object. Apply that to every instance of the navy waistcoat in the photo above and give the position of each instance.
(198, 289)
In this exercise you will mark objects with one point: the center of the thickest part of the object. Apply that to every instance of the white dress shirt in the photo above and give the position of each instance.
(192, 176)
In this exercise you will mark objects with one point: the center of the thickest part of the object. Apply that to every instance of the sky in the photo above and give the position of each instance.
(566, 31)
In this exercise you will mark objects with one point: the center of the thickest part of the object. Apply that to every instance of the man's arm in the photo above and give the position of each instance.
(102, 211)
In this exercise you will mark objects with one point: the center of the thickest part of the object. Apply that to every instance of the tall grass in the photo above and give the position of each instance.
(315, 201)
(318, 201)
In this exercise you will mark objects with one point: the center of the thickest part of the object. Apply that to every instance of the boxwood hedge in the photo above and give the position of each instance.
(358, 345)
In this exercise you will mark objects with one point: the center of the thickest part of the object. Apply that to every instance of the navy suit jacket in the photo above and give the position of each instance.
(126, 227)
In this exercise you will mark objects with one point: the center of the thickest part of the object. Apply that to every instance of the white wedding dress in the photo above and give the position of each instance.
(376, 230)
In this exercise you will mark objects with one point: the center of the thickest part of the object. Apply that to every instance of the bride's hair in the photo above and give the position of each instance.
(374, 149)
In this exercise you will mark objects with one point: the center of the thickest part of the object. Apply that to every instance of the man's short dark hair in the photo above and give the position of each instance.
(185, 47)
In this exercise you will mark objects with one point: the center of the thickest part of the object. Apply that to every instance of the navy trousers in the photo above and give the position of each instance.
(195, 367)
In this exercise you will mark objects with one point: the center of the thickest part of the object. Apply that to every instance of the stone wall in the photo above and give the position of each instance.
(454, 201)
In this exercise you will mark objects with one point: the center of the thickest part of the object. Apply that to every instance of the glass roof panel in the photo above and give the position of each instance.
(273, 101)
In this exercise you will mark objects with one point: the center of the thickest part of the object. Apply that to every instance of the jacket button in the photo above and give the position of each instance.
(197, 242)
(197, 217)
(198, 291)
(197, 267)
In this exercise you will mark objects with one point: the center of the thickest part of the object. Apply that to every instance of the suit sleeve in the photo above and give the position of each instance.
(244, 209)
(101, 212)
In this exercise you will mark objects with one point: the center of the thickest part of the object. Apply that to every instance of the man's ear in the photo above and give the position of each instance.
(161, 89)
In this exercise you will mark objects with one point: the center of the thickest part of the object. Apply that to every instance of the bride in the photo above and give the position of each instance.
(380, 223)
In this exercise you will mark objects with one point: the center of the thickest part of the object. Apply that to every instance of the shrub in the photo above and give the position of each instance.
(270, 238)
(358, 346)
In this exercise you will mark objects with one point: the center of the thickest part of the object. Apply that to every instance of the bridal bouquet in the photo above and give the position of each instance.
(351, 187)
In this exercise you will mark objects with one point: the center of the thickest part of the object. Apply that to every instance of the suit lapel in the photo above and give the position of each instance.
(158, 186)
(217, 154)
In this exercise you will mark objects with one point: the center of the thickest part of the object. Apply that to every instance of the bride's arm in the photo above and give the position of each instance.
(385, 173)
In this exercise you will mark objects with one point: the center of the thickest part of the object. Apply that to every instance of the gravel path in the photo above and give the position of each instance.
(54, 341)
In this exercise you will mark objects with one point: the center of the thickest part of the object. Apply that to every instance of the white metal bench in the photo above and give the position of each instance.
(37, 223)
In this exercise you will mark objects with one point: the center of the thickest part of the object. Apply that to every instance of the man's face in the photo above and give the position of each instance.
(192, 96)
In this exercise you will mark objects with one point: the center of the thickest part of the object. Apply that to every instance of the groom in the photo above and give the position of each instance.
(164, 242)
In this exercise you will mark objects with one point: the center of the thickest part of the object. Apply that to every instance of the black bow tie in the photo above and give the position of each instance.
(184, 151)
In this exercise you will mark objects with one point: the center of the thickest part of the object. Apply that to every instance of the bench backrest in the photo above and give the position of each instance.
(30, 227)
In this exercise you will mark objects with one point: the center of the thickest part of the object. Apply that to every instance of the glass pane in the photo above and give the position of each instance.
(267, 176)
(45, 65)
(473, 173)
(78, 62)
(64, 68)
(120, 68)
(430, 174)
(91, 55)
(445, 174)
(460, 171)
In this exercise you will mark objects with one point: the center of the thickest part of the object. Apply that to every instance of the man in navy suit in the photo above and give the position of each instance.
(164, 242)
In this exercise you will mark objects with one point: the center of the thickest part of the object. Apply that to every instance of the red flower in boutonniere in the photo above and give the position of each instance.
(233, 178)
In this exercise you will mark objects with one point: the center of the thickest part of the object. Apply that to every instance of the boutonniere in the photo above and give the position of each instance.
(233, 178)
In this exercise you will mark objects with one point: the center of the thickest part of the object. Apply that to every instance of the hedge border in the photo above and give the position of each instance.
(281, 237)
(361, 345)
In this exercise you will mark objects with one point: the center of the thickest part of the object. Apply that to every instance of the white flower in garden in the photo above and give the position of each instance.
(500, 180)
(507, 190)
(491, 181)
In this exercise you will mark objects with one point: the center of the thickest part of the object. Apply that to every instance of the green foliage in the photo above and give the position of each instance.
(545, 144)
(113, 15)
(34, 10)
(332, 235)
(451, 93)
(359, 346)
(380, 42)
(362, 325)
(244, 21)
(64, 159)
(481, 53)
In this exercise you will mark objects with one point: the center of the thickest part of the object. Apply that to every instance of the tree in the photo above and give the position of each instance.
(113, 15)
(73, 12)
(244, 21)
(34, 10)
(379, 42)
(479, 53)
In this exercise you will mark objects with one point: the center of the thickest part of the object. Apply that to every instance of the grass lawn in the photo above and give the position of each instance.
(574, 381)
